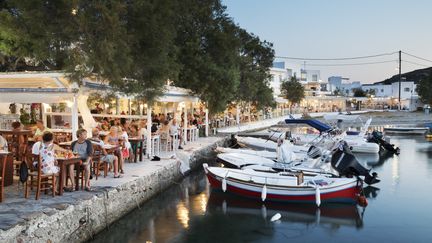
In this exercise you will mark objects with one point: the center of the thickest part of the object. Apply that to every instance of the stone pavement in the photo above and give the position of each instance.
(23, 220)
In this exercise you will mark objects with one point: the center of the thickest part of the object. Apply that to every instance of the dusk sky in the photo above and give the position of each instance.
(342, 28)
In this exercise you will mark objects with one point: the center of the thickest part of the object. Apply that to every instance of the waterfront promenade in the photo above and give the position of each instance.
(78, 216)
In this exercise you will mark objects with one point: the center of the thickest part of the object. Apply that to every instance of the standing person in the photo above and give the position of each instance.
(84, 149)
(40, 130)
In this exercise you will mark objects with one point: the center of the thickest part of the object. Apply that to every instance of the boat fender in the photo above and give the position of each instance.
(264, 193)
(224, 184)
(362, 201)
(317, 196)
(275, 217)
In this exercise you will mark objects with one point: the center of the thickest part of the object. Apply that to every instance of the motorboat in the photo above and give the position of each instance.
(261, 153)
(257, 143)
(284, 186)
(406, 130)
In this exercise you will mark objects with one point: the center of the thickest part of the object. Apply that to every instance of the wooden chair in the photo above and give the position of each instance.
(41, 181)
(3, 168)
(98, 164)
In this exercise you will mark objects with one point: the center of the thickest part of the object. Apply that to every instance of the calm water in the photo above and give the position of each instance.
(399, 210)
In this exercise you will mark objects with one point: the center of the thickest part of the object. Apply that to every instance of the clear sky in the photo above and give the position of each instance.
(342, 28)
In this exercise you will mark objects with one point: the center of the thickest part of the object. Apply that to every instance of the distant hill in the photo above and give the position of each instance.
(415, 76)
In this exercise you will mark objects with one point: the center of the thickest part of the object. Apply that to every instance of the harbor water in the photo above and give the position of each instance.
(399, 210)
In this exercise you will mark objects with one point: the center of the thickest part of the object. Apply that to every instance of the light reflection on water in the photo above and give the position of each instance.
(398, 210)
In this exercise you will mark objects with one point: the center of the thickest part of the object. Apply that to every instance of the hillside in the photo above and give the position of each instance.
(415, 76)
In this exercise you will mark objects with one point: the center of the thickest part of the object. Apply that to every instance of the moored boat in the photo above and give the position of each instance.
(284, 186)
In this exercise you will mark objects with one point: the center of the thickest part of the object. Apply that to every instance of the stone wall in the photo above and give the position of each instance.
(79, 221)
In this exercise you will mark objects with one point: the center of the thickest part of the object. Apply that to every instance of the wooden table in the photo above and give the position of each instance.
(63, 162)
(138, 142)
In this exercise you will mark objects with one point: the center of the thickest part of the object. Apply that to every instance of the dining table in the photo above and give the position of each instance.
(63, 162)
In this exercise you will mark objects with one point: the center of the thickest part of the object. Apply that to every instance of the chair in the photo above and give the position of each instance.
(3, 168)
(166, 141)
(98, 164)
(43, 182)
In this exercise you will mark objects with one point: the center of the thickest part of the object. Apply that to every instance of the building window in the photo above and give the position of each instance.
(314, 77)
(407, 89)
(382, 90)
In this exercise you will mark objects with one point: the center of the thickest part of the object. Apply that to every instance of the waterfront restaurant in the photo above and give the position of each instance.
(64, 106)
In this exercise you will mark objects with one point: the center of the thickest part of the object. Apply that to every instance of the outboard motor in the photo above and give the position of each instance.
(346, 164)
(377, 137)
(232, 142)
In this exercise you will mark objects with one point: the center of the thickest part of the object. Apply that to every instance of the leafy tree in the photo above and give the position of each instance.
(208, 52)
(337, 92)
(292, 90)
(256, 58)
(424, 90)
(358, 92)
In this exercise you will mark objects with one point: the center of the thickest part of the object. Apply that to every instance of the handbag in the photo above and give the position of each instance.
(23, 172)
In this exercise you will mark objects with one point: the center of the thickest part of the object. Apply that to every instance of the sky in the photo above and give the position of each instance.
(342, 28)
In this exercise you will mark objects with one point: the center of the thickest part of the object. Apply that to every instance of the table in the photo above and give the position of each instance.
(63, 162)
(138, 142)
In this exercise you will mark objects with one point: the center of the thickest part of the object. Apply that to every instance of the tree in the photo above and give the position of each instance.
(292, 90)
(358, 92)
(207, 52)
(424, 90)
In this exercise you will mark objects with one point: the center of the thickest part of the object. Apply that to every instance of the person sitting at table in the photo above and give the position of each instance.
(174, 130)
(16, 127)
(40, 130)
(46, 150)
(83, 147)
(3, 143)
(113, 138)
(111, 159)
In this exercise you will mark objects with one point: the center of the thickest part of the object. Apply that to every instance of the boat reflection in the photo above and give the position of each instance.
(334, 215)
(371, 192)
(382, 158)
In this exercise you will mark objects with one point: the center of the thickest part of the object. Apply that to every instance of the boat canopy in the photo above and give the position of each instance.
(321, 127)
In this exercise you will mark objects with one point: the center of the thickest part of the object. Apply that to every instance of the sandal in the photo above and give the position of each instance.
(118, 176)
(88, 189)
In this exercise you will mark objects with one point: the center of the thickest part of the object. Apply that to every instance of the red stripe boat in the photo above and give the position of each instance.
(284, 186)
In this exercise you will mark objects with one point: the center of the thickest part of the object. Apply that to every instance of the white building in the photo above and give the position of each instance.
(346, 88)
(279, 73)
(409, 97)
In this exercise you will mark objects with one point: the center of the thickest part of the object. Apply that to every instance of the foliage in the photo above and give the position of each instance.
(424, 90)
(136, 45)
(358, 92)
(337, 92)
(292, 90)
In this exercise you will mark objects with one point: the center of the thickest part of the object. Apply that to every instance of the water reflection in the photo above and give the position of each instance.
(371, 192)
(334, 215)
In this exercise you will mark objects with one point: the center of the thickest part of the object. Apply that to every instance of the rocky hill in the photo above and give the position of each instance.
(415, 76)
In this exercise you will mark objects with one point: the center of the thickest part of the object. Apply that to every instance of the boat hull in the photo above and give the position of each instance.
(344, 194)
(408, 131)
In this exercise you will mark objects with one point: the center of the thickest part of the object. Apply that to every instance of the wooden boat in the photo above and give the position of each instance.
(406, 130)
(284, 186)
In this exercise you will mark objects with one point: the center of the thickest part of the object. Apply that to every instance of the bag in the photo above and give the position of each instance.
(125, 153)
(23, 172)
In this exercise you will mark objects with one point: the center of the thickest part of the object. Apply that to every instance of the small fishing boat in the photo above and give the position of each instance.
(406, 130)
(284, 186)
(262, 153)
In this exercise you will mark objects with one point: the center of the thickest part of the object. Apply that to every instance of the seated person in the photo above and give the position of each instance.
(40, 129)
(3, 143)
(111, 159)
(84, 149)
(114, 138)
